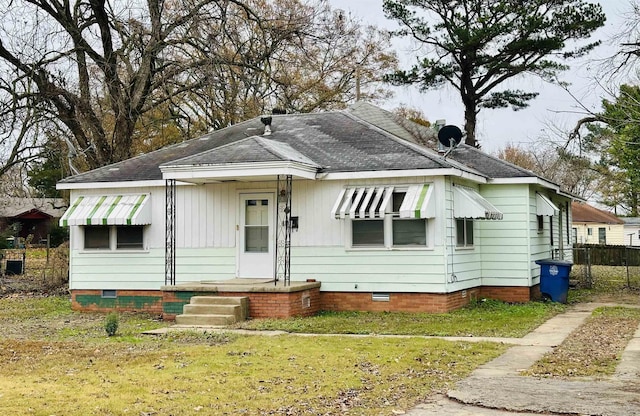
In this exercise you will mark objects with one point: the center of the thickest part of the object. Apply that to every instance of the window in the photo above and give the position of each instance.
(540, 223)
(551, 231)
(406, 232)
(121, 237)
(367, 233)
(575, 235)
(129, 237)
(96, 237)
(589, 231)
(409, 232)
(390, 231)
(464, 232)
(602, 235)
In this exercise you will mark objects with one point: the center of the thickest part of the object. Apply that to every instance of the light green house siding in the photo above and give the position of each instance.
(207, 221)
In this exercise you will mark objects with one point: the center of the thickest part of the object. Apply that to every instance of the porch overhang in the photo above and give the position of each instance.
(250, 171)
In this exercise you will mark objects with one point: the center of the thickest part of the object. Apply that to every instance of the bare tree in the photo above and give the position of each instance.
(108, 72)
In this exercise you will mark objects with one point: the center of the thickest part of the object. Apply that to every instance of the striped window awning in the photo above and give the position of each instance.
(108, 210)
(468, 203)
(544, 206)
(375, 202)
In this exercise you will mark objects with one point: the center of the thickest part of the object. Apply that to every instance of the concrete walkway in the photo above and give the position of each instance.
(496, 388)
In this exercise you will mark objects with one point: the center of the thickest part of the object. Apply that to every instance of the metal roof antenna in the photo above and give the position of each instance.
(266, 120)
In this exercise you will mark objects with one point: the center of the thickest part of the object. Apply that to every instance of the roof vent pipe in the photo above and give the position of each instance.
(266, 120)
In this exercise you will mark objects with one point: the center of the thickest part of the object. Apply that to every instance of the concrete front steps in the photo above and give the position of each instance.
(214, 311)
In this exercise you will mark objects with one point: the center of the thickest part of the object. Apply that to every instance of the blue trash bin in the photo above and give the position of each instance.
(554, 279)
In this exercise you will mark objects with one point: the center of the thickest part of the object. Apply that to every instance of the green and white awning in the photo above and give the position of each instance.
(468, 203)
(376, 201)
(109, 210)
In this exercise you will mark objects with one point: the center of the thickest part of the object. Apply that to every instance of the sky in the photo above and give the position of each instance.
(553, 110)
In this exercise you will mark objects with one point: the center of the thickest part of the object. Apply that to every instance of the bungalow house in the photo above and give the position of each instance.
(631, 231)
(595, 226)
(30, 216)
(298, 213)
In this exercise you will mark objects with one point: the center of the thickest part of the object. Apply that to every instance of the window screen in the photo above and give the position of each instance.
(129, 237)
(367, 233)
(96, 237)
(409, 232)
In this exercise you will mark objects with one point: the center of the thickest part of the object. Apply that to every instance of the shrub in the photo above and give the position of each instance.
(111, 324)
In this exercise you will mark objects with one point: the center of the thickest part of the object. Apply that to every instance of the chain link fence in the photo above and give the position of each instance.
(34, 269)
(606, 267)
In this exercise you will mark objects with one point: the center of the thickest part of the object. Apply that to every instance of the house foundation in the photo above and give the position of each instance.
(268, 300)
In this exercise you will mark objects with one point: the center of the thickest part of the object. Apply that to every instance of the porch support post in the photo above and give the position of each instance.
(170, 233)
(283, 231)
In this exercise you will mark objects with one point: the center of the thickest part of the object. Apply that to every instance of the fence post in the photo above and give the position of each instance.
(588, 261)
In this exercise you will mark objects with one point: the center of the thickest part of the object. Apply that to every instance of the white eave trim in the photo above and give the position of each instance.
(239, 170)
(111, 185)
(424, 173)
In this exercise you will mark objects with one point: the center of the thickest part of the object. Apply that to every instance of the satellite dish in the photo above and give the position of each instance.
(449, 136)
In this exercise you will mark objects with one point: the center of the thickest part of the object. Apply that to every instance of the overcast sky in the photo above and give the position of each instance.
(496, 128)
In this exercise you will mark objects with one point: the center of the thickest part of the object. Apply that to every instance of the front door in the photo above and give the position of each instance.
(256, 248)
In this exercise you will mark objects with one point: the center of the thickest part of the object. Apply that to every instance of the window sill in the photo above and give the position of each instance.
(408, 248)
(109, 251)
(465, 248)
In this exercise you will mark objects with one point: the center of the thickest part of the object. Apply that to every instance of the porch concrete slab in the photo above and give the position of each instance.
(241, 286)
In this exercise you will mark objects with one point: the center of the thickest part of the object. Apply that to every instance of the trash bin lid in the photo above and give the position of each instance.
(554, 262)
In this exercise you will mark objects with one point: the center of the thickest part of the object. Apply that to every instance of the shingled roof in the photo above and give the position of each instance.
(584, 213)
(359, 139)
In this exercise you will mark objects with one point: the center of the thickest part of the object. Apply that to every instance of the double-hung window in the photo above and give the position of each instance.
(115, 237)
(392, 230)
(464, 232)
(406, 231)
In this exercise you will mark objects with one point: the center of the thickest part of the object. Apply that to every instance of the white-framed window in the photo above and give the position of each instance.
(390, 231)
(113, 237)
(464, 232)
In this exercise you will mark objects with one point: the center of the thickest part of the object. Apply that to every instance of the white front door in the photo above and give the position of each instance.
(257, 239)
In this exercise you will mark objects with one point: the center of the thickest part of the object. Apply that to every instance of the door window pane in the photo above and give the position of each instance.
(256, 239)
(96, 237)
(129, 237)
(409, 232)
(367, 233)
(256, 212)
(256, 227)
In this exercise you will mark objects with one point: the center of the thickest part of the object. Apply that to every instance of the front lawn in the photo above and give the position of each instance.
(57, 362)
(483, 318)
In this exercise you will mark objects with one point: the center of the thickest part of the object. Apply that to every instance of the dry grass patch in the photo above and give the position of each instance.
(593, 349)
(241, 375)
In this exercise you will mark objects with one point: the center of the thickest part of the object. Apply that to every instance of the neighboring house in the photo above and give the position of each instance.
(31, 216)
(595, 226)
(336, 211)
(631, 230)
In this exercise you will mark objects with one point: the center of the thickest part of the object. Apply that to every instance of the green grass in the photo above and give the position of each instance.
(483, 318)
(14, 308)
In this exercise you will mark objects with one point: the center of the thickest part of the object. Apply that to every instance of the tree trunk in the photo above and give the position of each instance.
(470, 118)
